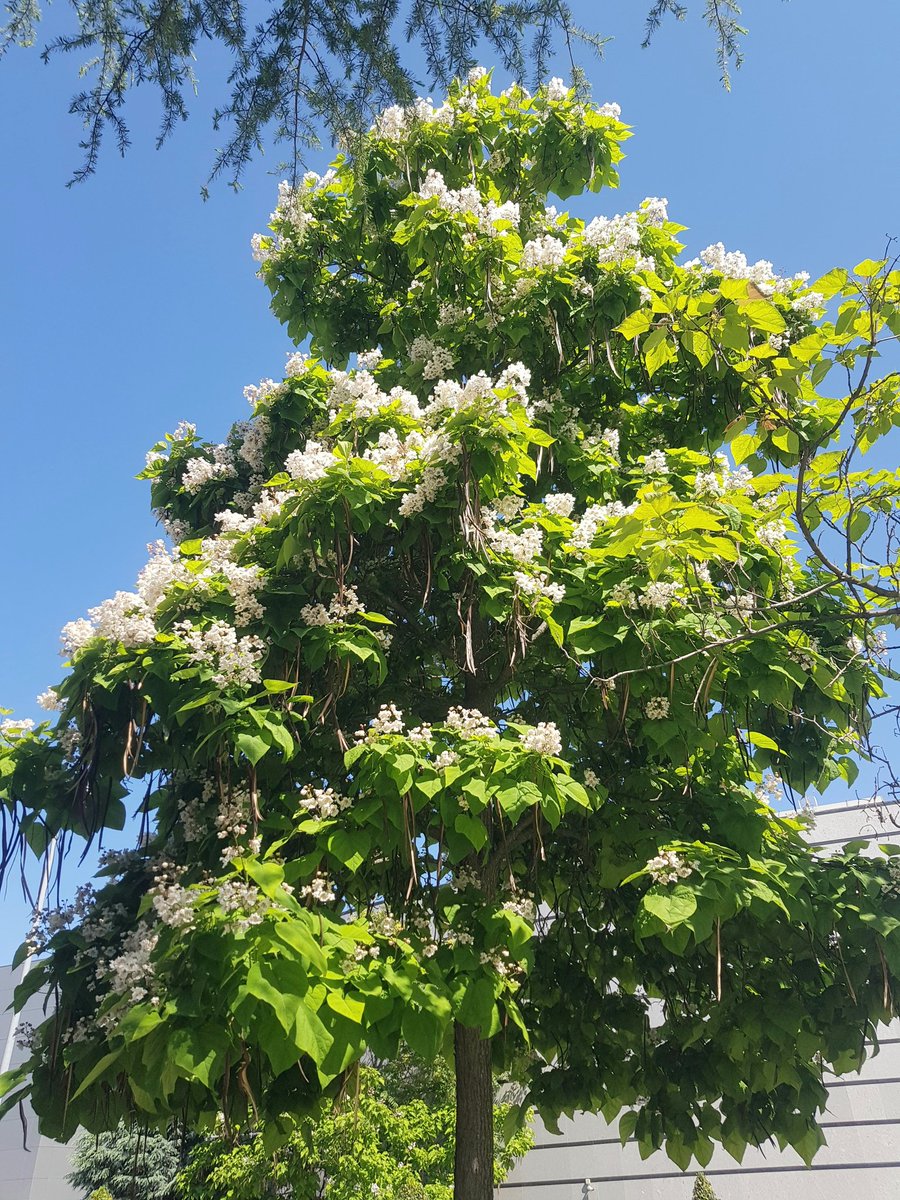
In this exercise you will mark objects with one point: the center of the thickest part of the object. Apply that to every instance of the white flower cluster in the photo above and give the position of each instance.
(772, 534)
(655, 463)
(123, 618)
(622, 594)
(11, 728)
(237, 896)
(522, 907)
(253, 436)
(396, 456)
(479, 393)
(436, 360)
(545, 738)
(309, 464)
(322, 803)
(233, 816)
(470, 723)
(49, 701)
(770, 790)
(539, 587)
(721, 481)
(200, 470)
(524, 547)
(656, 708)
(173, 903)
(388, 721)
(264, 509)
(545, 253)
(742, 604)
(425, 492)
(468, 200)
(660, 594)
(613, 238)
(591, 778)
(595, 516)
(320, 890)
(368, 360)
(264, 390)
(342, 606)
(234, 661)
(131, 969)
(560, 504)
(361, 392)
(733, 264)
(396, 123)
(669, 867)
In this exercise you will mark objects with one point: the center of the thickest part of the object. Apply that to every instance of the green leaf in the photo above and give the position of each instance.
(472, 829)
(422, 1032)
(477, 1007)
(658, 350)
(97, 1070)
(672, 905)
(763, 741)
(635, 324)
(277, 685)
(744, 445)
(349, 847)
(698, 344)
(764, 316)
(252, 746)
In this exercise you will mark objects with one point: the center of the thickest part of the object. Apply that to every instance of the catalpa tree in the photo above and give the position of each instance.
(466, 701)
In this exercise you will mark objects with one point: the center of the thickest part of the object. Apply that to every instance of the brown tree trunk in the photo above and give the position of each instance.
(473, 1169)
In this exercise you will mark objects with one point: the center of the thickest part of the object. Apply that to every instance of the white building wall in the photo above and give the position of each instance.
(862, 1125)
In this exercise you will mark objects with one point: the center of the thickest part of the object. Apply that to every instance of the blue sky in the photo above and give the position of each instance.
(127, 304)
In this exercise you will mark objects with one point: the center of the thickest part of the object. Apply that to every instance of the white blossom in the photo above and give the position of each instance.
(309, 464)
(436, 360)
(388, 721)
(545, 253)
(235, 661)
(556, 89)
(660, 594)
(545, 738)
(10, 728)
(50, 701)
(200, 471)
(539, 587)
(656, 708)
(470, 723)
(560, 504)
(322, 803)
(623, 595)
(344, 604)
(655, 463)
(669, 867)
(772, 534)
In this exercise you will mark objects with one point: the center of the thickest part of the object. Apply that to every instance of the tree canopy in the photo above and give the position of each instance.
(305, 65)
(469, 698)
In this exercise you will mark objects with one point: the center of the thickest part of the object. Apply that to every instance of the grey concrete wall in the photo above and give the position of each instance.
(862, 1125)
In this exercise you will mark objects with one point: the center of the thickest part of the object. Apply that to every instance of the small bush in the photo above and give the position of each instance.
(703, 1189)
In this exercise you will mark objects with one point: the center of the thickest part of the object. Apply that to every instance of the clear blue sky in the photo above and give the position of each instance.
(127, 304)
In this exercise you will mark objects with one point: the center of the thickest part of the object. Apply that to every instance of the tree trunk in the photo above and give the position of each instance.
(473, 1168)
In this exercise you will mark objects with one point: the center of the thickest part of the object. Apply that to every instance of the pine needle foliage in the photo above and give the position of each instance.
(130, 1163)
(300, 66)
